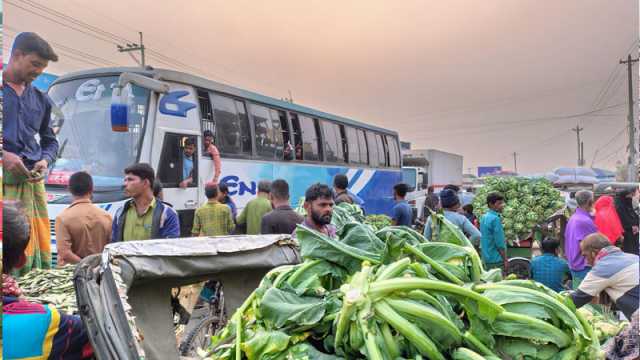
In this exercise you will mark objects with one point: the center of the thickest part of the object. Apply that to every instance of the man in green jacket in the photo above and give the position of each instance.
(255, 209)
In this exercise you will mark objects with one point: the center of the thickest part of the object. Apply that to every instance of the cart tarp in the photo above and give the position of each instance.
(125, 296)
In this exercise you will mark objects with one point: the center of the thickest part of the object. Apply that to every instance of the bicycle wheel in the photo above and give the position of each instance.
(199, 337)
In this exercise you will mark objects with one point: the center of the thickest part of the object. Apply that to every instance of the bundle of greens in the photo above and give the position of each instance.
(53, 286)
(378, 222)
(392, 295)
(528, 203)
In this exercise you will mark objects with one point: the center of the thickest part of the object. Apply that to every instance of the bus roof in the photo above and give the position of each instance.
(199, 82)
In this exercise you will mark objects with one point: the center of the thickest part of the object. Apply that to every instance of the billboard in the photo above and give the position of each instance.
(488, 170)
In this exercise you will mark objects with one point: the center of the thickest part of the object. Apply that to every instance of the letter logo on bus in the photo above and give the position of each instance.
(233, 182)
(170, 104)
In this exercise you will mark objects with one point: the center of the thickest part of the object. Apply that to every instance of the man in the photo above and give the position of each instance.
(30, 145)
(614, 271)
(224, 198)
(450, 203)
(282, 219)
(32, 330)
(318, 204)
(143, 217)
(213, 218)
(340, 194)
(401, 214)
(579, 226)
(431, 203)
(82, 229)
(252, 214)
(492, 242)
(548, 268)
(210, 150)
(628, 219)
(187, 163)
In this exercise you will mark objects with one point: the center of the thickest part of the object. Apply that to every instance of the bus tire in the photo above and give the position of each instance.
(186, 222)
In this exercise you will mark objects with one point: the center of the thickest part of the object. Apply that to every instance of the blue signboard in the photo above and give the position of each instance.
(488, 170)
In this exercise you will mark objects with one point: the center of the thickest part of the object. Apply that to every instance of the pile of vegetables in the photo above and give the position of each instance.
(603, 321)
(528, 203)
(378, 221)
(52, 286)
(390, 294)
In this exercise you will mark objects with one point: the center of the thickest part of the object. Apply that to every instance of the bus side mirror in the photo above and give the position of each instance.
(119, 110)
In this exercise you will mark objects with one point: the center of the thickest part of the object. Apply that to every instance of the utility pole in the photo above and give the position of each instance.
(515, 162)
(632, 175)
(135, 47)
(578, 129)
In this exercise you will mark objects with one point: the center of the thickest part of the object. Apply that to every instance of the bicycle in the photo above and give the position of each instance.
(199, 337)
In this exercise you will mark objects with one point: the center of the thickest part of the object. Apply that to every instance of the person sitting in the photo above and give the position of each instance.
(32, 330)
(450, 203)
(548, 269)
(613, 271)
(187, 163)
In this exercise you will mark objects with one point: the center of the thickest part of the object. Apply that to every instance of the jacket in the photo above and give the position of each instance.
(164, 223)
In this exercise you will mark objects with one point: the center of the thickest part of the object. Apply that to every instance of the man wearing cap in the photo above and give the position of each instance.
(451, 205)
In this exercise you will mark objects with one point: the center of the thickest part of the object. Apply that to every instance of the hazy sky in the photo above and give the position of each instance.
(479, 78)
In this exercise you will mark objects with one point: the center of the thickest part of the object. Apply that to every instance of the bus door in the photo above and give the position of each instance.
(178, 171)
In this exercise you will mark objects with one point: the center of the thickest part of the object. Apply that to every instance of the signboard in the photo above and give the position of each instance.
(488, 170)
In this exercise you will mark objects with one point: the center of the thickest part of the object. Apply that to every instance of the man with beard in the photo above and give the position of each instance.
(318, 204)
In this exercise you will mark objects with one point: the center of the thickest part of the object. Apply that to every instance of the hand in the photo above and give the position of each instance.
(14, 164)
(185, 183)
(635, 229)
(506, 266)
(41, 166)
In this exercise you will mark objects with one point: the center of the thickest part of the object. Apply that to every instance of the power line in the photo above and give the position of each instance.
(68, 48)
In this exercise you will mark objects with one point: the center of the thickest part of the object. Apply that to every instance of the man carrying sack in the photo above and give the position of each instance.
(27, 113)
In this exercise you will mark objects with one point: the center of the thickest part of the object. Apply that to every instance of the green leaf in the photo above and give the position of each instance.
(518, 348)
(265, 344)
(280, 309)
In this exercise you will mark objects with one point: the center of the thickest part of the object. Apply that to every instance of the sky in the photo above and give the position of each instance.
(483, 79)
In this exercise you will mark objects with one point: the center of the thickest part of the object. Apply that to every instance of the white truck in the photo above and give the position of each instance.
(430, 167)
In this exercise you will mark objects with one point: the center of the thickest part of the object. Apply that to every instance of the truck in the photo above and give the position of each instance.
(430, 167)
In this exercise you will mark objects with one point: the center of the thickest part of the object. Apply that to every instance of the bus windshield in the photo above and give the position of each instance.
(81, 121)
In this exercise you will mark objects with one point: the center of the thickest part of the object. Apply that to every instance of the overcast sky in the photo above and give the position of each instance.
(478, 78)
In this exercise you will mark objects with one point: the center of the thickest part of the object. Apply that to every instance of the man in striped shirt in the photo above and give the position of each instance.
(615, 272)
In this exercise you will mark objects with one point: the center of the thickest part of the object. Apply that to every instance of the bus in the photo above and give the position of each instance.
(253, 133)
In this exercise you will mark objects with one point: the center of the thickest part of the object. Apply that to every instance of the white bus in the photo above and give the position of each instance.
(251, 131)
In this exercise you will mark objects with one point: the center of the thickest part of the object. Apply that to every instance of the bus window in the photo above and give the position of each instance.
(362, 144)
(382, 153)
(280, 117)
(352, 145)
(394, 153)
(310, 139)
(176, 165)
(297, 135)
(206, 113)
(374, 159)
(268, 133)
(233, 135)
(334, 148)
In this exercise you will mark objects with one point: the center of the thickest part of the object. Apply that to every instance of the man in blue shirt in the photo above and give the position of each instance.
(492, 244)
(450, 203)
(29, 144)
(401, 214)
(187, 162)
(548, 269)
